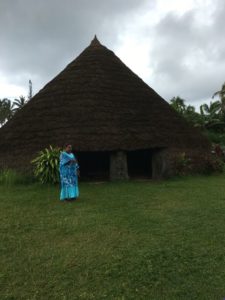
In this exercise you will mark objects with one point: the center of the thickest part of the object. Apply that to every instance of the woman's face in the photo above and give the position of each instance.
(68, 148)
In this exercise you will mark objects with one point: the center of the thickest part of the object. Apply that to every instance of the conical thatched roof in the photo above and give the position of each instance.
(97, 103)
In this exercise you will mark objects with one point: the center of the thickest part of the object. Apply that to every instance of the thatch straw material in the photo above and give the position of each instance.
(98, 104)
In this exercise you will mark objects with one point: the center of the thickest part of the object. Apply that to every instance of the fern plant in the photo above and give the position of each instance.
(46, 165)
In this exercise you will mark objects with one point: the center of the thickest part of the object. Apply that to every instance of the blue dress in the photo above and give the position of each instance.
(68, 176)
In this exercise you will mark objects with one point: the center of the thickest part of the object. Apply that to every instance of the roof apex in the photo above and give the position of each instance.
(95, 42)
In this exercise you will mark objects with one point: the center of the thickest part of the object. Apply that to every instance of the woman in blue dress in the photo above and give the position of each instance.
(69, 171)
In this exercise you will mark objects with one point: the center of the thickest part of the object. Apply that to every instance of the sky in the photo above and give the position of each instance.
(177, 47)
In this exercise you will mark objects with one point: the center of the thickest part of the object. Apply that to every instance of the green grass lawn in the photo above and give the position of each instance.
(131, 240)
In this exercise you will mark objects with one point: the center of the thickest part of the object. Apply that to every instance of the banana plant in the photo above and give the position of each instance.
(211, 115)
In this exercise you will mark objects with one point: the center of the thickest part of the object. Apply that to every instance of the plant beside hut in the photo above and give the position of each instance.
(207, 164)
(46, 165)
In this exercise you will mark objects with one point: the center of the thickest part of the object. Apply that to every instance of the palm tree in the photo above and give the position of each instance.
(6, 110)
(19, 103)
(187, 111)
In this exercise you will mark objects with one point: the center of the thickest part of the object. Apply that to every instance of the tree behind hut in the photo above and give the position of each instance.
(211, 115)
(8, 108)
(19, 103)
(221, 94)
(211, 118)
(187, 111)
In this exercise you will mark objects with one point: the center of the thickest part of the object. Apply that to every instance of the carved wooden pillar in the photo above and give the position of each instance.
(118, 165)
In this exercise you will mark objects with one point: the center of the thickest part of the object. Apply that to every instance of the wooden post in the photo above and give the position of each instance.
(161, 167)
(118, 166)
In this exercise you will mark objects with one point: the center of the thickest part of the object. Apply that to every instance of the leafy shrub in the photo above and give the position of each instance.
(182, 164)
(12, 177)
(216, 137)
(213, 164)
(46, 165)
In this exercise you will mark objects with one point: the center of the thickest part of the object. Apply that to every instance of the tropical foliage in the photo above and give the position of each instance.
(210, 118)
(221, 95)
(46, 165)
(9, 177)
(19, 103)
(8, 108)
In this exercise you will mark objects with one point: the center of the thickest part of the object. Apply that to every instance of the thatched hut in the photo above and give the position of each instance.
(118, 125)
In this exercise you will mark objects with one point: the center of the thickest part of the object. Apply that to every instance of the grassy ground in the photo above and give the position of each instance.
(135, 240)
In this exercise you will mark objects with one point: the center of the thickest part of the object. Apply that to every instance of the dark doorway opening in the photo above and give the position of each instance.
(94, 165)
(140, 163)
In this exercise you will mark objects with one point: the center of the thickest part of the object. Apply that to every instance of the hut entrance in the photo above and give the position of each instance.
(94, 165)
(140, 163)
(105, 165)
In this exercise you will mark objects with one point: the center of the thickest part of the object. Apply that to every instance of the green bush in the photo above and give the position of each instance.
(213, 164)
(216, 137)
(207, 164)
(182, 164)
(46, 165)
(12, 177)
